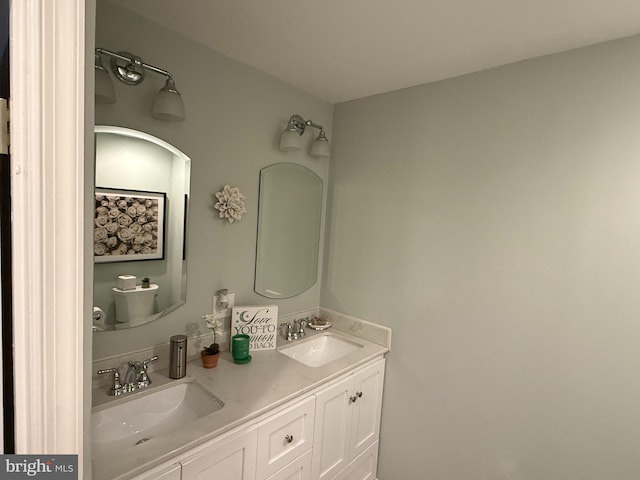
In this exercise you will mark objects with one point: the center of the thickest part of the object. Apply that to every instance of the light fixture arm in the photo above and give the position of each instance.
(300, 124)
(132, 61)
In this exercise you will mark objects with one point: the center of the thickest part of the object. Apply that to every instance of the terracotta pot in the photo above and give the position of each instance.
(209, 361)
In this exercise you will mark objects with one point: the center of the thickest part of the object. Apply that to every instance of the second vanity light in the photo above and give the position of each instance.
(130, 70)
(290, 138)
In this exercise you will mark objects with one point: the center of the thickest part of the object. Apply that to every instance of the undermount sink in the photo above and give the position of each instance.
(143, 416)
(320, 349)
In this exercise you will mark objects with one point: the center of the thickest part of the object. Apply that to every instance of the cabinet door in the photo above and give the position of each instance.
(365, 423)
(172, 472)
(284, 437)
(233, 459)
(363, 467)
(299, 469)
(332, 430)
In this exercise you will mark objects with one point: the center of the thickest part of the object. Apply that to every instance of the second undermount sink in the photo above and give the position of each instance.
(143, 416)
(320, 349)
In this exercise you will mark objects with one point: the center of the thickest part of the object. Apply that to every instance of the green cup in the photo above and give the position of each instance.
(240, 347)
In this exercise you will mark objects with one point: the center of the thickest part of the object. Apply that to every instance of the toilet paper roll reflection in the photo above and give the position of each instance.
(99, 317)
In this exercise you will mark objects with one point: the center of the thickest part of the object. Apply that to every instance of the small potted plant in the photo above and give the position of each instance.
(211, 353)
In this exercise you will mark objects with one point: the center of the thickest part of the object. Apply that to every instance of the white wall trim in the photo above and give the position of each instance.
(47, 84)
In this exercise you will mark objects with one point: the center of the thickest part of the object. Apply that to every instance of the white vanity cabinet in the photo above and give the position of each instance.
(284, 437)
(347, 422)
(278, 448)
(230, 459)
(364, 467)
(328, 434)
(299, 469)
(164, 472)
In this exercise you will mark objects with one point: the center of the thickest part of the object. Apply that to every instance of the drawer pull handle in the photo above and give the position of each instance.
(353, 399)
(289, 438)
(359, 394)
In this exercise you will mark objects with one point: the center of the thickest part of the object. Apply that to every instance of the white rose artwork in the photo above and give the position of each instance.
(129, 225)
(230, 203)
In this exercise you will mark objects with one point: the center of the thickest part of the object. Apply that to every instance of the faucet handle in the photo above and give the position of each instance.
(144, 379)
(146, 363)
(117, 386)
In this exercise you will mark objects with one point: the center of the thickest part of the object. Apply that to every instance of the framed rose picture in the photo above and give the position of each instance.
(128, 225)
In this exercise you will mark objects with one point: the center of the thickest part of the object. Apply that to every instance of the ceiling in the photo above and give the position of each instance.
(340, 50)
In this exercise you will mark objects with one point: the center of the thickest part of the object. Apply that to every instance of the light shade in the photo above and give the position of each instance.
(320, 146)
(104, 87)
(290, 140)
(168, 103)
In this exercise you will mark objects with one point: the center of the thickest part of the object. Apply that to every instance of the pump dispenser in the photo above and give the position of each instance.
(178, 356)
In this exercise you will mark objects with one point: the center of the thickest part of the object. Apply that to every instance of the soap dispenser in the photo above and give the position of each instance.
(178, 356)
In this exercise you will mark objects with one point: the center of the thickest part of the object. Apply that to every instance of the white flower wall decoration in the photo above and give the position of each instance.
(230, 203)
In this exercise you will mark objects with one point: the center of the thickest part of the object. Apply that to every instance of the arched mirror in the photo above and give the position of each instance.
(289, 220)
(140, 221)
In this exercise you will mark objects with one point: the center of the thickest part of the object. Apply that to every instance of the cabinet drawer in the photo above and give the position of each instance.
(284, 437)
(299, 469)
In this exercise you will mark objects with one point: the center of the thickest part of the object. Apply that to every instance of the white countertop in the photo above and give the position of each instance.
(268, 381)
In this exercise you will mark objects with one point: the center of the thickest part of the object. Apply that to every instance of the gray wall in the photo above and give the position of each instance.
(234, 117)
(492, 222)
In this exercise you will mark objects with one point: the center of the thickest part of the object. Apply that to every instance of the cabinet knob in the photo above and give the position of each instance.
(289, 438)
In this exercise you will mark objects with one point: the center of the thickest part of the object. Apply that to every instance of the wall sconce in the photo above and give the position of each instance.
(130, 70)
(290, 138)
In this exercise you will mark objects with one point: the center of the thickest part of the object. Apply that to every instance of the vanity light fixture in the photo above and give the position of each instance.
(290, 139)
(130, 70)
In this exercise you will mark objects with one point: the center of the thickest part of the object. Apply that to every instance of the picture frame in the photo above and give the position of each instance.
(128, 225)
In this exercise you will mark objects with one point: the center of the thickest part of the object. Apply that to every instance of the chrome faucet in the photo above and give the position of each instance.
(135, 378)
(299, 327)
(132, 373)
(137, 375)
(293, 331)
(286, 329)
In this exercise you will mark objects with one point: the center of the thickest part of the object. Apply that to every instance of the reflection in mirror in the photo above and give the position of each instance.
(142, 188)
(289, 218)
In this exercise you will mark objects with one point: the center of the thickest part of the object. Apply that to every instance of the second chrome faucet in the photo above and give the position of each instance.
(293, 331)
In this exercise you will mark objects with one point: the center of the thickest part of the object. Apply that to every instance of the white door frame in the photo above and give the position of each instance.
(48, 198)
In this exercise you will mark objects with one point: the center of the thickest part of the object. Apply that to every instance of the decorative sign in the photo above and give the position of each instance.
(260, 323)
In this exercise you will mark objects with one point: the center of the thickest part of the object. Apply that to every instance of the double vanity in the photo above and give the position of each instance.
(308, 410)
